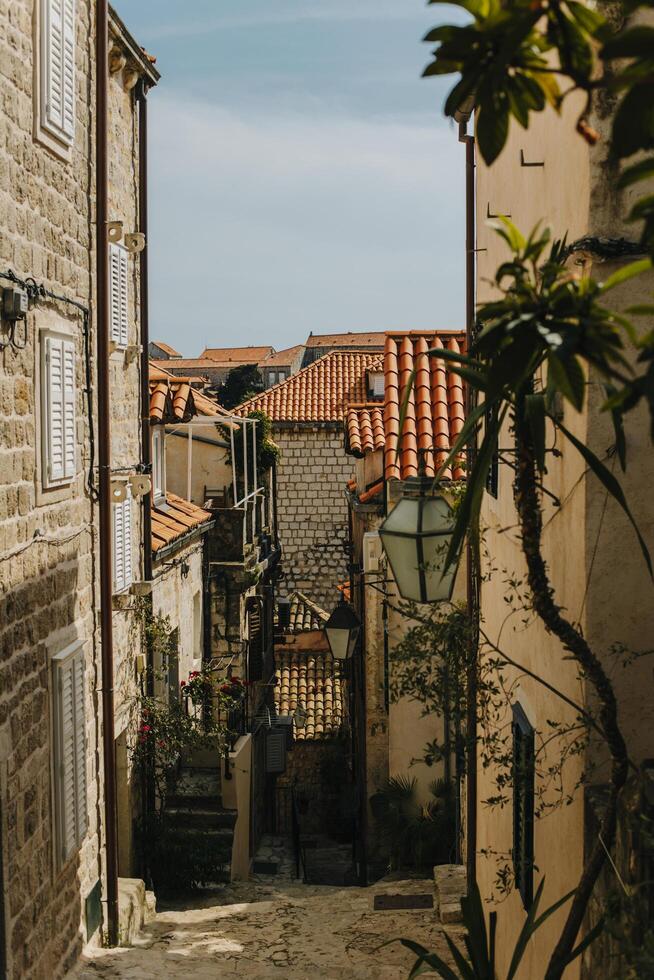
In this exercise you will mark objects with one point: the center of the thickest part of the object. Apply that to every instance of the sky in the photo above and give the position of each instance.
(302, 176)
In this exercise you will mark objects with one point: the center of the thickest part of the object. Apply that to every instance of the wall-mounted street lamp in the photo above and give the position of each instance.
(342, 630)
(416, 537)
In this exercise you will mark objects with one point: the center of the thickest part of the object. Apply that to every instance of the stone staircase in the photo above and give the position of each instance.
(199, 822)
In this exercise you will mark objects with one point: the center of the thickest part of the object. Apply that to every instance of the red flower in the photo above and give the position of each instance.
(161, 744)
(145, 728)
(194, 673)
(235, 679)
(183, 684)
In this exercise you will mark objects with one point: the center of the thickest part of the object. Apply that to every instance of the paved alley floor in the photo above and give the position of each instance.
(283, 930)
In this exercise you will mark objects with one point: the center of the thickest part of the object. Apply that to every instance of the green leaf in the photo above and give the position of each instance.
(575, 51)
(605, 476)
(633, 124)
(625, 273)
(567, 375)
(592, 22)
(492, 130)
(475, 923)
(586, 941)
(639, 171)
(465, 970)
(636, 42)
(477, 7)
(425, 960)
(640, 309)
(505, 228)
(535, 412)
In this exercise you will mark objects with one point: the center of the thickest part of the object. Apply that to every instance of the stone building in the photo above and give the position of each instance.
(51, 780)
(280, 365)
(319, 344)
(307, 412)
(158, 349)
(392, 733)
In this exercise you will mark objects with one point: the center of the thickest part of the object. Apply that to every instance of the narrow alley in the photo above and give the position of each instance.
(284, 929)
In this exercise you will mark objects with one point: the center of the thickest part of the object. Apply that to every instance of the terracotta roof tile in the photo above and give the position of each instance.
(282, 358)
(435, 408)
(237, 355)
(374, 340)
(175, 363)
(177, 519)
(305, 616)
(173, 400)
(315, 682)
(372, 492)
(166, 348)
(364, 429)
(319, 392)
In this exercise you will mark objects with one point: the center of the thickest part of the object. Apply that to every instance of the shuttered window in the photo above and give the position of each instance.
(58, 410)
(122, 544)
(118, 295)
(69, 751)
(58, 68)
(524, 778)
(255, 643)
(158, 464)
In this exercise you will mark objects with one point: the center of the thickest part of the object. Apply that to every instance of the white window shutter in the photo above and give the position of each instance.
(118, 306)
(58, 67)
(68, 115)
(127, 538)
(123, 297)
(69, 419)
(55, 411)
(80, 748)
(123, 544)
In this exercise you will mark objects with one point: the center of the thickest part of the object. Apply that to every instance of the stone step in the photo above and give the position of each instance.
(202, 818)
(450, 881)
(198, 782)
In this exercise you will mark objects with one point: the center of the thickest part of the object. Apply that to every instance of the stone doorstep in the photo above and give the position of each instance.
(136, 908)
(450, 882)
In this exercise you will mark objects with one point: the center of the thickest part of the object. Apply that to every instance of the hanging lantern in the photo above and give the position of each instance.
(342, 630)
(416, 537)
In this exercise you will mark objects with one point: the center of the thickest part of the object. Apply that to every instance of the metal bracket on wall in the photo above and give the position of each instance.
(490, 215)
(525, 163)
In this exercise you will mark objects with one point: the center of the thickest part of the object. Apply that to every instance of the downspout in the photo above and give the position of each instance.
(144, 315)
(104, 467)
(471, 678)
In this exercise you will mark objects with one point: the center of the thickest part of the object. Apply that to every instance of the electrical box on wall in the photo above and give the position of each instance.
(371, 551)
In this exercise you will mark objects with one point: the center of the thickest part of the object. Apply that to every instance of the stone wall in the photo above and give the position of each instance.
(312, 510)
(46, 582)
(320, 775)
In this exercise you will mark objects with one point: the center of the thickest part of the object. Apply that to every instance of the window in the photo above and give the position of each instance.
(118, 331)
(376, 384)
(158, 464)
(281, 376)
(493, 478)
(58, 409)
(255, 643)
(123, 544)
(197, 626)
(69, 750)
(524, 775)
(57, 69)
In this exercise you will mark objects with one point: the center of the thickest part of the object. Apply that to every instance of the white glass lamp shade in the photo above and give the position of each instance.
(342, 631)
(416, 537)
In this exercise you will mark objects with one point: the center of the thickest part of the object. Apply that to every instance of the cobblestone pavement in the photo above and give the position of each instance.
(282, 930)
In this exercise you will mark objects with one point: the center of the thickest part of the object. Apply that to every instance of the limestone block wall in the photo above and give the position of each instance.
(312, 510)
(46, 582)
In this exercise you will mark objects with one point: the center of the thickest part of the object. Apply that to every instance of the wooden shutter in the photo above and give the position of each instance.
(123, 544)
(58, 68)
(275, 751)
(255, 643)
(59, 416)
(53, 395)
(69, 751)
(118, 306)
(69, 422)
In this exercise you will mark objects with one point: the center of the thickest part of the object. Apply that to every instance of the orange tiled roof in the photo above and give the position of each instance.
(364, 429)
(305, 616)
(344, 588)
(435, 410)
(315, 682)
(237, 355)
(176, 363)
(282, 358)
(320, 392)
(349, 339)
(179, 517)
(173, 400)
(166, 347)
(372, 492)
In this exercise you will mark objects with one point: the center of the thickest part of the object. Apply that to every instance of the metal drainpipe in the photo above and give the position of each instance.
(471, 679)
(146, 451)
(104, 465)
